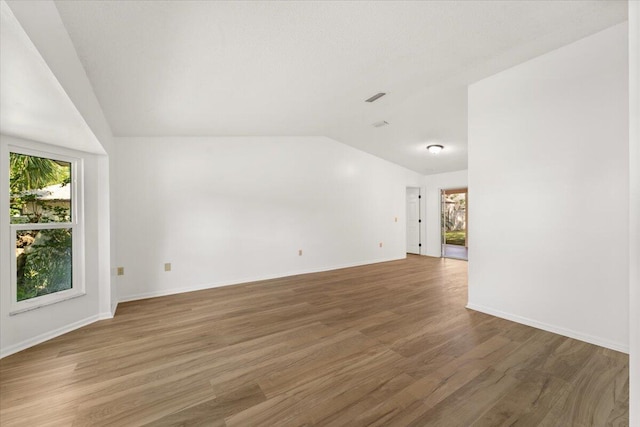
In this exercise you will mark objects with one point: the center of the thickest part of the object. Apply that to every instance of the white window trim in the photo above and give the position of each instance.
(76, 224)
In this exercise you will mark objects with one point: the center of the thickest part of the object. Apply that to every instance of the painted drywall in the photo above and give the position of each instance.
(42, 23)
(548, 183)
(433, 185)
(28, 328)
(634, 212)
(33, 104)
(230, 210)
(113, 226)
(166, 68)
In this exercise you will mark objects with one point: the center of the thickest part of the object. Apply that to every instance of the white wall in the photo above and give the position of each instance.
(634, 212)
(230, 210)
(32, 327)
(435, 183)
(43, 25)
(549, 180)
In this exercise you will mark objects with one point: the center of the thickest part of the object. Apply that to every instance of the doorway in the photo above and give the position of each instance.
(454, 223)
(414, 244)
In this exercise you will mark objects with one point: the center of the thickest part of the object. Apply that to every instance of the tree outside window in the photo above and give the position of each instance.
(41, 216)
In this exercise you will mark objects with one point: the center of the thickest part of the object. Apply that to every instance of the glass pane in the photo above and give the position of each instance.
(455, 219)
(43, 261)
(454, 224)
(40, 190)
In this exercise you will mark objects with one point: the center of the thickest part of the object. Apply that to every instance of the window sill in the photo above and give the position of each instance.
(19, 310)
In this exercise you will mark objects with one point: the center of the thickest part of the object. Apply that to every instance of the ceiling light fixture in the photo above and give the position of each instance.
(435, 148)
(376, 96)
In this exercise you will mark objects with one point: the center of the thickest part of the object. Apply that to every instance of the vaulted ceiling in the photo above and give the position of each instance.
(33, 104)
(199, 68)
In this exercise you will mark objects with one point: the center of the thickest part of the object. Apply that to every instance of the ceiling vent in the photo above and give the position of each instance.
(380, 124)
(375, 97)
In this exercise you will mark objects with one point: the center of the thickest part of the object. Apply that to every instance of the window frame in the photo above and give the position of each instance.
(76, 225)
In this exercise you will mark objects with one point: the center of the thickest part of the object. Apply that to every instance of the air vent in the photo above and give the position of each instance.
(375, 97)
(380, 124)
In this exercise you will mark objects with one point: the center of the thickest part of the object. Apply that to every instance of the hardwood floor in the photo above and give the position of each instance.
(389, 344)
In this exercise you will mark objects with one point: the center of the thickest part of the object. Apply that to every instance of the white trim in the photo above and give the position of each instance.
(105, 316)
(551, 328)
(634, 213)
(42, 226)
(114, 307)
(203, 286)
(78, 283)
(421, 222)
(12, 349)
(42, 301)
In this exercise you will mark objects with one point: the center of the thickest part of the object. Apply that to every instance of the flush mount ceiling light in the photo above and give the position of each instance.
(434, 148)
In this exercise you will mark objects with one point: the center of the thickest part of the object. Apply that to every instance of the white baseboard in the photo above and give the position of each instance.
(110, 314)
(106, 315)
(200, 287)
(7, 351)
(602, 342)
(114, 307)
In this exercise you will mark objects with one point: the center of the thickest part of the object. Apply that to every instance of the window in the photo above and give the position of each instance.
(45, 228)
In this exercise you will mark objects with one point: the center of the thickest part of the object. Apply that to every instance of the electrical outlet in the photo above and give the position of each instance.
(299, 252)
(167, 266)
(120, 271)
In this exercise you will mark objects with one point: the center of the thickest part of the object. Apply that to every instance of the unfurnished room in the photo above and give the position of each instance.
(320, 213)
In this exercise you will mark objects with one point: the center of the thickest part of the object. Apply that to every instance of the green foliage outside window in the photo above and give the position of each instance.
(43, 256)
(454, 219)
(44, 265)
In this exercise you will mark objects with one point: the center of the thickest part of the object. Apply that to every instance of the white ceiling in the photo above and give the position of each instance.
(33, 104)
(305, 68)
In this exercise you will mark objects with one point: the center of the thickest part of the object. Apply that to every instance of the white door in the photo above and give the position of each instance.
(413, 220)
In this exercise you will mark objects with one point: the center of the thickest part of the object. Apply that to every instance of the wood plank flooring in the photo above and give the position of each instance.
(389, 344)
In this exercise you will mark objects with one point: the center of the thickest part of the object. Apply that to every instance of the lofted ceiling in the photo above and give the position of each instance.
(33, 104)
(198, 68)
